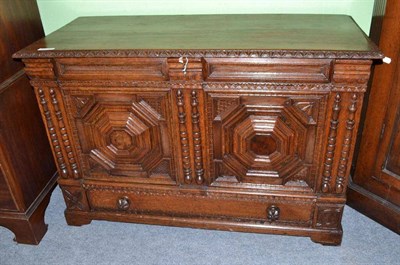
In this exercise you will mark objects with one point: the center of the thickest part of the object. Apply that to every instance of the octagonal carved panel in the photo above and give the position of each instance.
(124, 136)
(266, 140)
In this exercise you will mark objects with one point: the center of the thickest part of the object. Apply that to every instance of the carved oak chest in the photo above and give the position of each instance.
(233, 122)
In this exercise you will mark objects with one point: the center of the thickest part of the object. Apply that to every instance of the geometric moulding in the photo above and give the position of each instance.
(122, 137)
(265, 140)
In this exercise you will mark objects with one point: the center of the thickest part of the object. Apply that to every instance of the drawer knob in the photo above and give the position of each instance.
(273, 213)
(123, 203)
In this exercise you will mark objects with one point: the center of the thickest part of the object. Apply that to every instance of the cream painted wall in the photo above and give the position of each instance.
(57, 13)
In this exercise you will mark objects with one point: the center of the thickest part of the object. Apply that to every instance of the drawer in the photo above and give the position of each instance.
(125, 69)
(208, 205)
(267, 70)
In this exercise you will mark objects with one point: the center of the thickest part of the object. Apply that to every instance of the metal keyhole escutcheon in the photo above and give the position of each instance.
(273, 213)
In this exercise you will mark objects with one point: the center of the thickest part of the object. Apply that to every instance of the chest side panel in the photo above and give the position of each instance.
(6, 200)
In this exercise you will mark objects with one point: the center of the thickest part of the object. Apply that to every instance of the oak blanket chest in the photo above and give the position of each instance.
(233, 122)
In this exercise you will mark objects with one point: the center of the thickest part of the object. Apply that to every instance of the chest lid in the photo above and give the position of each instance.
(256, 35)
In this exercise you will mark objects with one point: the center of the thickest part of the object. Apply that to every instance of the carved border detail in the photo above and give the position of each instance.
(331, 146)
(344, 157)
(73, 199)
(210, 85)
(208, 194)
(64, 134)
(198, 157)
(53, 135)
(350, 88)
(268, 86)
(374, 54)
(185, 84)
(114, 83)
(223, 104)
(183, 134)
(41, 82)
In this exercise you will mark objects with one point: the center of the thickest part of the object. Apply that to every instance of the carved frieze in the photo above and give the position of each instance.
(204, 53)
(262, 86)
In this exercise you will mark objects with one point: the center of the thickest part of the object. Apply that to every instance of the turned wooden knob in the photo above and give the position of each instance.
(123, 203)
(273, 213)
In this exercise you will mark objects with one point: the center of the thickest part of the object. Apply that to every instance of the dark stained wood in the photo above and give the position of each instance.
(375, 187)
(211, 139)
(377, 20)
(20, 25)
(277, 70)
(172, 36)
(108, 69)
(27, 172)
(262, 145)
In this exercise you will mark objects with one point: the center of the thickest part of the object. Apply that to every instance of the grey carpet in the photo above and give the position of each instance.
(364, 242)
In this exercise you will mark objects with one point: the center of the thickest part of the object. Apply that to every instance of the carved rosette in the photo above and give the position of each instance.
(330, 149)
(346, 145)
(183, 134)
(198, 157)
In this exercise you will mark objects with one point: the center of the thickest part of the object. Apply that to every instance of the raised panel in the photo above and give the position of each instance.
(123, 135)
(268, 69)
(112, 69)
(266, 139)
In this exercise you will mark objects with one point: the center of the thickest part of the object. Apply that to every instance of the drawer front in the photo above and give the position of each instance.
(209, 205)
(124, 69)
(267, 70)
(268, 139)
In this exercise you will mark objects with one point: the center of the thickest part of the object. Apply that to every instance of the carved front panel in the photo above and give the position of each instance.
(122, 134)
(266, 139)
